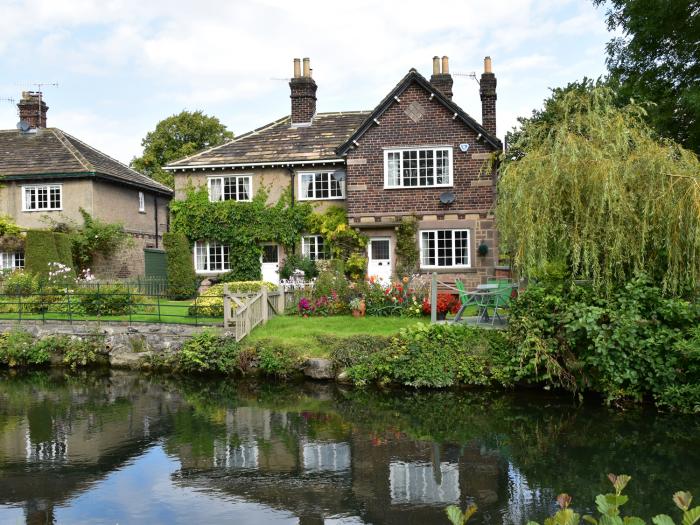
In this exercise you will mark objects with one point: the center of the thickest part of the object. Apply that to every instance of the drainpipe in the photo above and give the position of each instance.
(155, 209)
(291, 175)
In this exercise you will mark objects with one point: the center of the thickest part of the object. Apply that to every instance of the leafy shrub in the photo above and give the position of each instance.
(8, 228)
(206, 352)
(277, 359)
(435, 356)
(86, 352)
(211, 302)
(93, 237)
(20, 282)
(182, 280)
(632, 343)
(64, 252)
(17, 349)
(349, 351)
(108, 300)
(297, 262)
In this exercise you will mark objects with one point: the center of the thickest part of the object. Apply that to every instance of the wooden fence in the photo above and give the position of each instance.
(243, 312)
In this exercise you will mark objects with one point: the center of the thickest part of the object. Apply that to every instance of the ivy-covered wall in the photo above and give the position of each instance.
(240, 225)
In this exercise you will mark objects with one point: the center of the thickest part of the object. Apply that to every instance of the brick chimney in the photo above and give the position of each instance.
(303, 95)
(441, 78)
(487, 89)
(32, 109)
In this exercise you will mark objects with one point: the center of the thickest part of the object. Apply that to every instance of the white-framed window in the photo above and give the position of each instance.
(444, 249)
(142, 203)
(418, 167)
(11, 260)
(230, 188)
(314, 247)
(323, 185)
(45, 197)
(211, 257)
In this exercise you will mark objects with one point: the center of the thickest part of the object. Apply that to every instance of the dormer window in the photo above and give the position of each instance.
(418, 167)
(236, 188)
(323, 185)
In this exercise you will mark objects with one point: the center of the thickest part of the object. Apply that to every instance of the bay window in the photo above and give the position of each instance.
(444, 249)
(211, 257)
(322, 185)
(236, 188)
(419, 167)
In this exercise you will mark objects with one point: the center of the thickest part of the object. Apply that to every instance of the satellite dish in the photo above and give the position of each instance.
(339, 176)
(447, 197)
(23, 125)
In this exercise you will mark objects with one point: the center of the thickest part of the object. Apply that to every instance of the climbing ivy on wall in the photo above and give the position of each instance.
(240, 225)
(406, 247)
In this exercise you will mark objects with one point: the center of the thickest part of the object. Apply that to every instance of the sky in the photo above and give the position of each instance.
(123, 65)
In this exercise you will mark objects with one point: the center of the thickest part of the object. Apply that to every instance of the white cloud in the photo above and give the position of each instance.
(134, 62)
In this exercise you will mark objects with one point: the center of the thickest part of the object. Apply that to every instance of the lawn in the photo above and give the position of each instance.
(170, 312)
(301, 332)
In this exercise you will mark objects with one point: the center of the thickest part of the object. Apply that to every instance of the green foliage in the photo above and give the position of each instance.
(629, 344)
(356, 266)
(350, 351)
(609, 508)
(86, 352)
(108, 300)
(598, 191)
(20, 282)
(655, 59)
(207, 352)
(39, 251)
(182, 280)
(457, 517)
(435, 356)
(175, 137)
(17, 349)
(211, 302)
(297, 262)
(407, 247)
(95, 236)
(8, 228)
(276, 358)
(332, 224)
(255, 222)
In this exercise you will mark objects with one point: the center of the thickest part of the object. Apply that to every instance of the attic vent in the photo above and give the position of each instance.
(415, 111)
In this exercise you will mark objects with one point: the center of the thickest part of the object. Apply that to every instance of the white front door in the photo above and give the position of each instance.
(271, 263)
(379, 265)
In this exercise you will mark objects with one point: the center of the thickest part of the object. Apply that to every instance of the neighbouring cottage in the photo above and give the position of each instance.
(47, 173)
(417, 154)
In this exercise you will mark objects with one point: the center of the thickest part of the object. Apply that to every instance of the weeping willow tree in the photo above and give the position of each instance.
(595, 190)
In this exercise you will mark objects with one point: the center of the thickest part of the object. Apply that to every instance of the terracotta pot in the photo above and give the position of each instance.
(363, 308)
(306, 316)
(356, 313)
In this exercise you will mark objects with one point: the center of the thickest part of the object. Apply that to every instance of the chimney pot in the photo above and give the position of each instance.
(487, 65)
(307, 67)
(436, 65)
(297, 68)
(445, 66)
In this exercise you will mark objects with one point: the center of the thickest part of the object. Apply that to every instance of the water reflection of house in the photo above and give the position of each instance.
(269, 458)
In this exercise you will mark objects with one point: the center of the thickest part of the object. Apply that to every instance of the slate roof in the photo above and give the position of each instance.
(52, 152)
(404, 83)
(279, 142)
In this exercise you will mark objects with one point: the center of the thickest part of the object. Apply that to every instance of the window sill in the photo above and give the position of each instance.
(300, 199)
(440, 186)
(44, 210)
(451, 269)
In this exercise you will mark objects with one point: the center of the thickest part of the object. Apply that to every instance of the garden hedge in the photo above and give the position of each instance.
(43, 247)
(182, 280)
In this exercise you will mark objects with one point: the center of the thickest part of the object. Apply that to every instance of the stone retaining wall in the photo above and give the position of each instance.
(125, 344)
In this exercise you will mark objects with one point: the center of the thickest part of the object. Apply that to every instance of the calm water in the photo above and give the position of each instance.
(120, 447)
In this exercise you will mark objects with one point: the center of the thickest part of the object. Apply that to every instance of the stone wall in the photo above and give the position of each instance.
(125, 344)
(128, 261)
